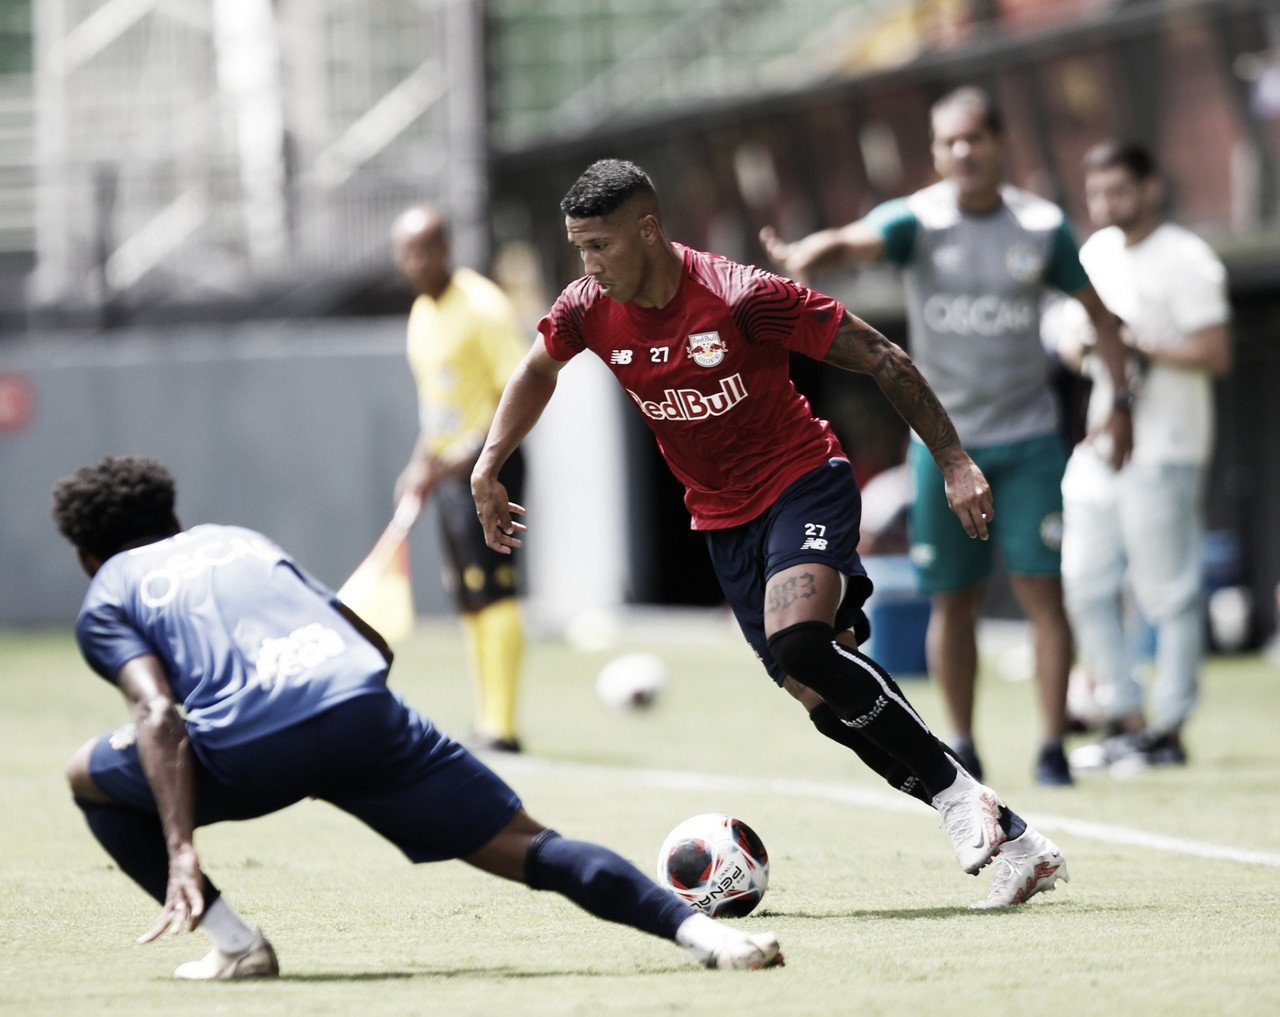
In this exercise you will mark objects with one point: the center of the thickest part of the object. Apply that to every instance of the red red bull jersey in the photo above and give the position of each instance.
(709, 373)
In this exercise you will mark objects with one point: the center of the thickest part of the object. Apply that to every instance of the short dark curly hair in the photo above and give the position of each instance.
(604, 187)
(107, 506)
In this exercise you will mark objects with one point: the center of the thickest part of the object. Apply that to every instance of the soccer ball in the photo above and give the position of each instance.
(632, 681)
(717, 863)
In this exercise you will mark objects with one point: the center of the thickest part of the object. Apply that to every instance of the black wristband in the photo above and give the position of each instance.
(1124, 399)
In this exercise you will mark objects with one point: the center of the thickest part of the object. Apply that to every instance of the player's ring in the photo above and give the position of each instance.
(983, 514)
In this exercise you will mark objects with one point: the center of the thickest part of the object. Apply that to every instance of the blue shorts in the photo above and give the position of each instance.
(816, 519)
(1026, 483)
(371, 756)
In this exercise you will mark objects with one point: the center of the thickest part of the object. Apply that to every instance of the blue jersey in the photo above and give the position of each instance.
(251, 643)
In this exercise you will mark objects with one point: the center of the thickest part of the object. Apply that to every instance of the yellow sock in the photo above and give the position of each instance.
(495, 644)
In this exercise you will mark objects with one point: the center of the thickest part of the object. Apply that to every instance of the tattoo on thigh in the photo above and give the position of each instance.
(782, 595)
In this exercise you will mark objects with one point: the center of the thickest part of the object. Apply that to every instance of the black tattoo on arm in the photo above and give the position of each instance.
(859, 347)
(782, 595)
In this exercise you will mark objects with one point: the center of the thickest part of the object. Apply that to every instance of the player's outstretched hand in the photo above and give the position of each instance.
(787, 257)
(184, 897)
(799, 259)
(774, 246)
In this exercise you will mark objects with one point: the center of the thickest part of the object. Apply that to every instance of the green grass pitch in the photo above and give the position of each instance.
(1173, 907)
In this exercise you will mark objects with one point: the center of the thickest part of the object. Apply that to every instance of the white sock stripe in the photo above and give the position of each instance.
(865, 663)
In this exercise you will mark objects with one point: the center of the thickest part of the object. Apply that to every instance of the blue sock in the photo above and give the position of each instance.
(604, 883)
(135, 842)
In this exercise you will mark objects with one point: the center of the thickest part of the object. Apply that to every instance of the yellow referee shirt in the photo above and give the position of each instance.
(462, 348)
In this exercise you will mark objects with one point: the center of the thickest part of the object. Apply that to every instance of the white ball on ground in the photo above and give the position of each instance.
(717, 863)
(632, 681)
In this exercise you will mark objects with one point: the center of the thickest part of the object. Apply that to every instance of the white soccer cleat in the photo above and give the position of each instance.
(971, 816)
(1025, 866)
(258, 961)
(742, 952)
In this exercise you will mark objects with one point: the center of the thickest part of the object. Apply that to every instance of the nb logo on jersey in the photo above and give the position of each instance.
(690, 404)
(814, 544)
(620, 357)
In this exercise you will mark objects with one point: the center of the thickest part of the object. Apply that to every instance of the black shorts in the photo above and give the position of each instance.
(816, 519)
(474, 573)
(372, 756)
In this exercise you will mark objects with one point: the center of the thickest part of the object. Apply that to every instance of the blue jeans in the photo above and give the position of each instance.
(1142, 525)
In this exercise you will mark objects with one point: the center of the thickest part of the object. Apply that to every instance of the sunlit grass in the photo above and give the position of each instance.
(867, 900)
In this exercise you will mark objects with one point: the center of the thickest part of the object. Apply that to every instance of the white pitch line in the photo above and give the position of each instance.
(886, 802)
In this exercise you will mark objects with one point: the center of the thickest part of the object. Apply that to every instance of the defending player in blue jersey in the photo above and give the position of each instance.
(251, 687)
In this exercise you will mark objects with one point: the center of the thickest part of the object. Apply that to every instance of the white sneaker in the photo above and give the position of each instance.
(1026, 866)
(1107, 752)
(258, 961)
(743, 952)
(971, 816)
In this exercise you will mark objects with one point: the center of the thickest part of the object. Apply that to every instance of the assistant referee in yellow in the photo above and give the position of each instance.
(463, 342)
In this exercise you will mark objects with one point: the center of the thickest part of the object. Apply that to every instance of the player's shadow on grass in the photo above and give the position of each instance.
(347, 976)
(903, 914)
(501, 974)
(891, 913)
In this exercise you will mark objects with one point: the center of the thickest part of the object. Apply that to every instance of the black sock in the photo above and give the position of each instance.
(864, 696)
(1013, 825)
(604, 883)
(898, 776)
(135, 842)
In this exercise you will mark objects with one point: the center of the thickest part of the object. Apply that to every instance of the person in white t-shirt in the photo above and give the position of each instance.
(1143, 523)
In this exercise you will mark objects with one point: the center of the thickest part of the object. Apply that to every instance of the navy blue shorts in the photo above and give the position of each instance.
(816, 519)
(372, 756)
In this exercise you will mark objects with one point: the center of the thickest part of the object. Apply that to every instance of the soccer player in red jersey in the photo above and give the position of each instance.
(701, 346)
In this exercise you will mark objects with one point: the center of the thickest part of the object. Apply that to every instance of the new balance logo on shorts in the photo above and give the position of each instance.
(620, 357)
(815, 537)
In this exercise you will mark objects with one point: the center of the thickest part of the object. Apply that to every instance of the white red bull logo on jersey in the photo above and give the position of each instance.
(706, 349)
(691, 404)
